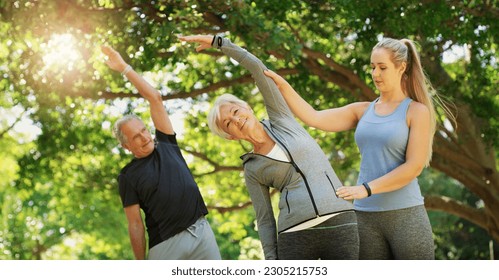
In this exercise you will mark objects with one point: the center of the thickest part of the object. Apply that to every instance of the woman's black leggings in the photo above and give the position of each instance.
(335, 239)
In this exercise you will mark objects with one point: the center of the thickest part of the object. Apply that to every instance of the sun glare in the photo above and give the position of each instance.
(61, 51)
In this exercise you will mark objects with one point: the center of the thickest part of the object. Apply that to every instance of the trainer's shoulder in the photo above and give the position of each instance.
(418, 109)
(358, 108)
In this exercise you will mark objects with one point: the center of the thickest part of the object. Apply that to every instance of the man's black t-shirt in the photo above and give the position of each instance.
(163, 186)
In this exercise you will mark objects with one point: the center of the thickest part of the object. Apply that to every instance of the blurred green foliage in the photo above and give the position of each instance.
(59, 161)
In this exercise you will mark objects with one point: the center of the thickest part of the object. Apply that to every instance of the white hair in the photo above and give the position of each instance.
(120, 136)
(214, 114)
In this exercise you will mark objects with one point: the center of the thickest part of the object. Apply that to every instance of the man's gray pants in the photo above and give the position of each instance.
(197, 242)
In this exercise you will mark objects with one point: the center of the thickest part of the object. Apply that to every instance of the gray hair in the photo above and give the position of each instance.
(120, 136)
(214, 114)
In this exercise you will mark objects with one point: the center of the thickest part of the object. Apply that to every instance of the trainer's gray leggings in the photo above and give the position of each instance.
(197, 242)
(403, 234)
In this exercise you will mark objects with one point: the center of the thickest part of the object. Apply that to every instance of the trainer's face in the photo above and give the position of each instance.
(386, 75)
(140, 141)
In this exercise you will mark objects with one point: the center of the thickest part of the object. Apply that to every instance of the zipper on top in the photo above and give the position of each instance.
(297, 170)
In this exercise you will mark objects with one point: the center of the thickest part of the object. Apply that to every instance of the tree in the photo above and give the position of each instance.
(322, 47)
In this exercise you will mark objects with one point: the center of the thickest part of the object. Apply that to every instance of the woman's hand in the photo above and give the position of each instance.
(204, 41)
(114, 61)
(278, 80)
(352, 192)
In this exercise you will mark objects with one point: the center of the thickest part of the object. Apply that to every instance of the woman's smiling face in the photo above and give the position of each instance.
(236, 120)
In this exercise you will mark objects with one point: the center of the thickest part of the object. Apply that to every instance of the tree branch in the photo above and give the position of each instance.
(448, 151)
(347, 73)
(238, 207)
(473, 182)
(216, 167)
(451, 206)
(18, 119)
(183, 95)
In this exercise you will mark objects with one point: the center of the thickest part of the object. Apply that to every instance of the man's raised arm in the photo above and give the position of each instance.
(159, 115)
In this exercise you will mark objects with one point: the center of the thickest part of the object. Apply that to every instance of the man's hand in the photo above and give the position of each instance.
(114, 61)
(203, 40)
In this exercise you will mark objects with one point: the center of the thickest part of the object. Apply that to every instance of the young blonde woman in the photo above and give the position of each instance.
(394, 134)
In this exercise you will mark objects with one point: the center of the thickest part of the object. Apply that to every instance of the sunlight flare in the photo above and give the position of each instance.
(61, 51)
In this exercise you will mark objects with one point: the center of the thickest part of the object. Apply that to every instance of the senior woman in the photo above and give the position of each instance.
(313, 223)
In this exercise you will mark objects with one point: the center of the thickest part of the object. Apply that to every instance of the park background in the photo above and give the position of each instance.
(59, 162)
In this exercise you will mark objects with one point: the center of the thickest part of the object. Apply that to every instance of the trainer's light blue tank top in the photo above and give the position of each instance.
(382, 141)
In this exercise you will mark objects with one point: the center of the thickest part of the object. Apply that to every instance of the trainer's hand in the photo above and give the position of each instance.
(204, 41)
(278, 80)
(351, 192)
(114, 61)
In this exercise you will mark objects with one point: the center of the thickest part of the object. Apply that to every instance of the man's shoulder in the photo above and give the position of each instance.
(134, 170)
(166, 138)
(129, 167)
